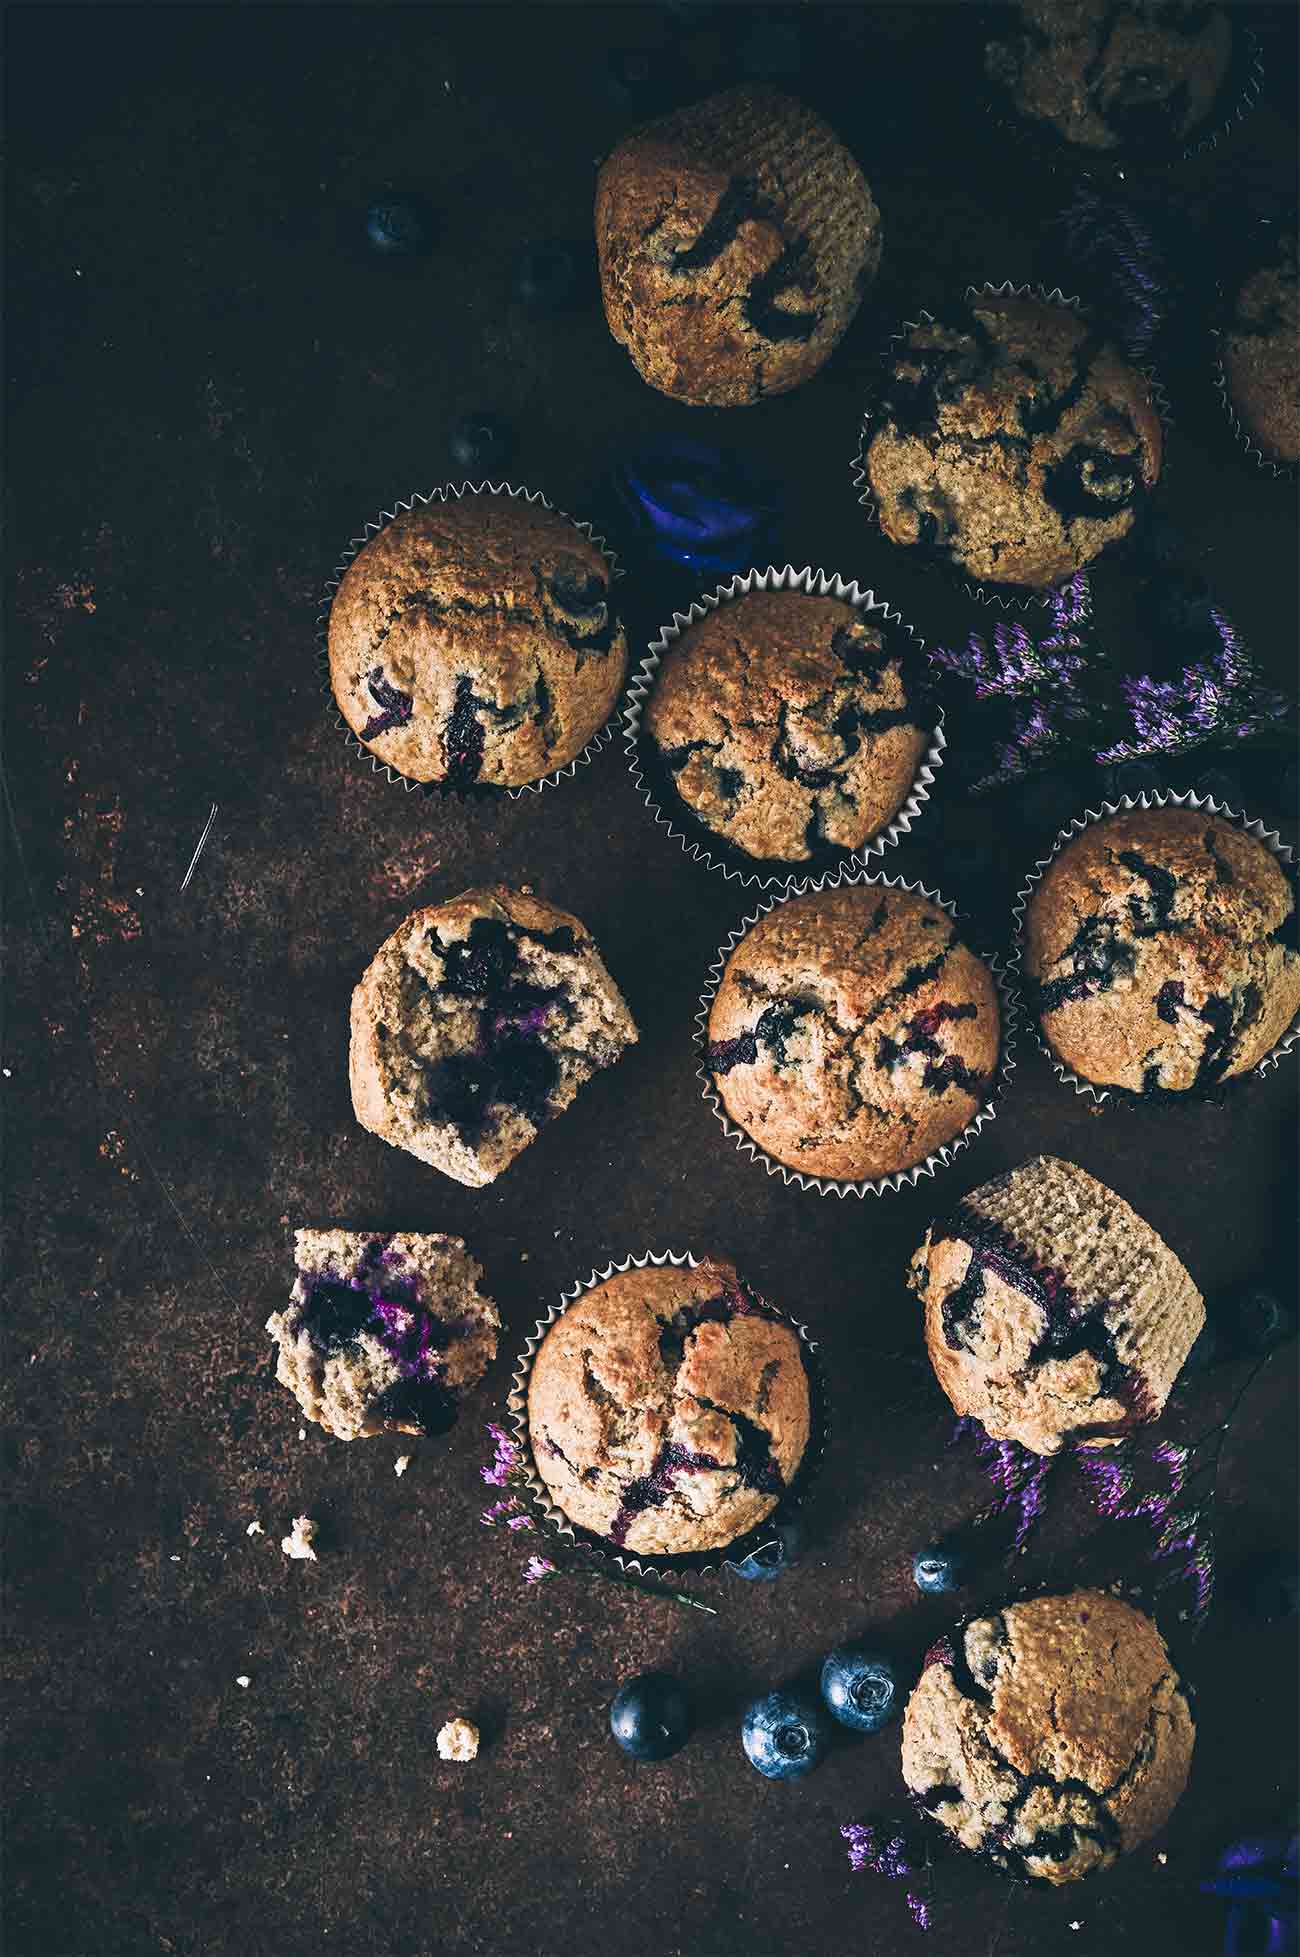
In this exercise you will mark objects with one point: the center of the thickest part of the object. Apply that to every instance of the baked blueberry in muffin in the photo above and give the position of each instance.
(382, 1333)
(1010, 440)
(1052, 1736)
(736, 239)
(1053, 1313)
(1141, 75)
(1261, 355)
(475, 1023)
(669, 1410)
(473, 641)
(853, 1033)
(789, 722)
(1160, 951)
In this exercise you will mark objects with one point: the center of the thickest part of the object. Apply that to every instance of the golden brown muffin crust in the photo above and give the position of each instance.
(1261, 358)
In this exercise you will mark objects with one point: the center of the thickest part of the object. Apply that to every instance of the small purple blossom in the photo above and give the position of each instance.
(862, 1844)
(538, 1568)
(884, 1851)
(920, 1911)
(506, 1462)
(1119, 245)
(509, 1513)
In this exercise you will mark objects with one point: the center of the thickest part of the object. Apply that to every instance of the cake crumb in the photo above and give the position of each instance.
(458, 1740)
(302, 1433)
(244, 1680)
(297, 1544)
(254, 1529)
(401, 1464)
(1076, 1926)
(1162, 1858)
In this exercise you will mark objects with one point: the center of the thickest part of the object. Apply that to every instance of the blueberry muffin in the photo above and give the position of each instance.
(1160, 951)
(668, 1411)
(1051, 1737)
(1142, 75)
(853, 1034)
(382, 1334)
(788, 722)
(736, 239)
(1052, 1311)
(473, 641)
(1261, 357)
(1010, 440)
(476, 1022)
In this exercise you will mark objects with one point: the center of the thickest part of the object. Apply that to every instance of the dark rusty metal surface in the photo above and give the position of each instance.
(211, 388)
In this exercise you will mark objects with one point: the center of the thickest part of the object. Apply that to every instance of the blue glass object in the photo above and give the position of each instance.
(699, 506)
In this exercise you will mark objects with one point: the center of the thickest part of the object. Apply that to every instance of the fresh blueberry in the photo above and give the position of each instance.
(785, 1734)
(651, 1716)
(1206, 1350)
(546, 277)
(861, 1688)
(1259, 1320)
(939, 1569)
(1269, 1585)
(773, 1557)
(401, 226)
(481, 443)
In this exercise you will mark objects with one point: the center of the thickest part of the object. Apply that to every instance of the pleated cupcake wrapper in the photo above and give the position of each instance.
(1009, 1009)
(704, 1562)
(1240, 95)
(1283, 471)
(474, 791)
(697, 841)
(1156, 798)
(1008, 599)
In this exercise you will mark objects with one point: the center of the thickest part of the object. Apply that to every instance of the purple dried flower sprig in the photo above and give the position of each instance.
(883, 1849)
(1114, 240)
(1019, 1479)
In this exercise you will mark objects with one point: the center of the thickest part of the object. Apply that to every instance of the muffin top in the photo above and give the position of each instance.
(382, 1333)
(1159, 950)
(1261, 356)
(1141, 75)
(668, 1411)
(736, 238)
(1052, 1311)
(788, 723)
(1053, 1736)
(473, 641)
(1011, 440)
(476, 1022)
(853, 1033)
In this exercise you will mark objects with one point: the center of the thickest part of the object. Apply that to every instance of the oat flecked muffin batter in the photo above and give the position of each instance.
(788, 722)
(382, 1333)
(475, 1023)
(1053, 1313)
(667, 1411)
(473, 641)
(736, 239)
(853, 1033)
(1011, 440)
(1053, 1736)
(1261, 356)
(1160, 951)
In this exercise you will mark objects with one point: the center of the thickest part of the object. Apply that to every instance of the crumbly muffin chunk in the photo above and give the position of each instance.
(382, 1334)
(787, 723)
(1051, 1737)
(1052, 1311)
(1011, 440)
(474, 641)
(736, 238)
(1160, 951)
(1144, 74)
(1261, 357)
(853, 1033)
(668, 1411)
(475, 1023)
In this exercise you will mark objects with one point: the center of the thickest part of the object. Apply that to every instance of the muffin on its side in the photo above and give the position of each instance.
(1011, 440)
(1052, 1737)
(668, 1411)
(788, 722)
(473, 641)
(1159, 951)
(1261, 356)
(1052, 1311)
(1141, 75)
(853, 1034)
(736, 239)
(475, 1023)
(382, 1333)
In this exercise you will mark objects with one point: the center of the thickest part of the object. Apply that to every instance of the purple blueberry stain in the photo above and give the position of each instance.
(338, 1311)
(394, 705)
(463, 737)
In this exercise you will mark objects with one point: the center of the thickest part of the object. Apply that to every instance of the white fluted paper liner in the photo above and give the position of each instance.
(1008, 1006)
(699, 1563)
(696, 840)
(1282, 471)
(1008, 598)
(1155, 798)
(355, 544)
